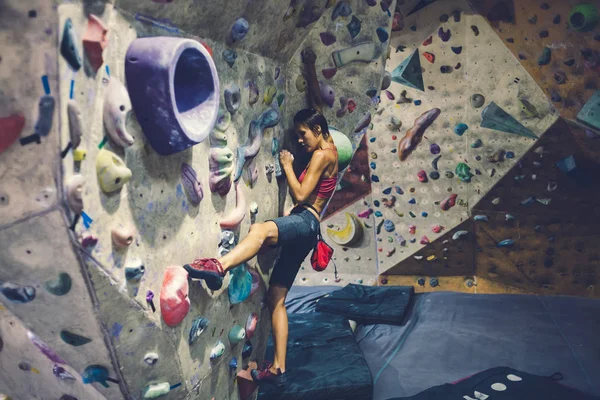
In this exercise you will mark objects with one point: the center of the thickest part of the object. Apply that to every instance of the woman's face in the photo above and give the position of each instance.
(307, 138)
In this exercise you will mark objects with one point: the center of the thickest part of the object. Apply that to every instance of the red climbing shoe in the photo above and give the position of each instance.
(209, 269)
(266, 376)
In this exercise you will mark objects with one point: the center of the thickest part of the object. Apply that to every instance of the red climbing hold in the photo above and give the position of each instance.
(424, 240)
(174, 300)
(449, 202)
(422, 175)
(394, 137)
(429, 57)
(351, 105)
(10, 130)
(428, 41)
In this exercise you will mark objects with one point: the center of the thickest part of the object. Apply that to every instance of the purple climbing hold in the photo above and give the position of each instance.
(385, 5)
(62, 373)
(43, 347)
(327, 94)
(434, 148)
(191, 184)
(329, 73)
(328, 38)
(444, 35)
(174, 90)
(371, 3)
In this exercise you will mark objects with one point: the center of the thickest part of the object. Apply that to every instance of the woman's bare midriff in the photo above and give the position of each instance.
(317, 202)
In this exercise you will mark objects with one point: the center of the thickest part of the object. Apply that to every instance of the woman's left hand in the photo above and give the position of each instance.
(286, 158)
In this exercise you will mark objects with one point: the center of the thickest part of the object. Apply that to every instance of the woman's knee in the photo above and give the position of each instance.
(276, 297)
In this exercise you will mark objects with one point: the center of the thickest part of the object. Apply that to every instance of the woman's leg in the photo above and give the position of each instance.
(259, 235)
(279, 322)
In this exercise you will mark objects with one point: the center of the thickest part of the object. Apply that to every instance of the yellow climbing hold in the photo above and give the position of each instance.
(79, 154)
(270, 93)
(431, 257)
(349, 234)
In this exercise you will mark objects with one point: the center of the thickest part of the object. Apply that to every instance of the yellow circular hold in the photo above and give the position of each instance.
(349, 234)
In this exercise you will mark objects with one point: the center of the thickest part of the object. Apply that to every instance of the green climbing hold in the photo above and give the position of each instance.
(583, 17)
(494, 117)
(60, 285)
(344, 148)
(464, 172)
(408, 73)
(546, 56)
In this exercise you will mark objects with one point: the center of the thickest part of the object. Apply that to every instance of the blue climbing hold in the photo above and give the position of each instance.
(229, 56)
(134, 273)
(68, 46)
(567, 164)
(274, 146)
(506, 243)
(199, 324)
(233, 364)
(417, 102)
(388, 226)
(509, 154)
(342, 9)
(354, 26)
(378, 214)
(247, 350)
(387, 190)
(60, 285)
(239, 29)
(96, 373)
(398, 190)
(481, 218)
(17, 293)
(45, 116)
(376, 203)
(528, 201)
(240, 284)
(421, 281)
(373, 165)
(394, 150)
(374, 178)
(372, 139)
(424, 214)
(382, 34)
(460, 129)
(74, 339)
(87, 220)
(412, 201)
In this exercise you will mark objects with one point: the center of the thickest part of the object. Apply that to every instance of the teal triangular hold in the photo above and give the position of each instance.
(494, 117)
(590, 113)
(240, 284)
(409, 72)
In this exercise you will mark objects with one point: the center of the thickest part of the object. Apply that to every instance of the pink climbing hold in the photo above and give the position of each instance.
(174, 300)
(351, 105)
(95, 41)
(412, 229)
(449, 202)
(235, 217)
(251, 324)
(437, 228)
(10, 130)
(365, 214)
(424, 240)
(422, 175)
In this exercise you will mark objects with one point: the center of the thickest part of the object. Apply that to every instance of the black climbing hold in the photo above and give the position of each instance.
(510, 40)
(444, 18)
(475, 30)
(433, 282)
(522, 57)
(457, 66)
(413, 28)
(457, 50)
(548, 263)
(434, 175)
(446, 69)
(556, 19)
(456, 15)
(430, 87)
(560, 77)
(570, 62)
(32, 13)
(555, 96)
(502, 11)
(545, 6)
(533, 20)
(354, 26)
(421, 281)
(544, 34)
(35, 138)
(546, 56)
(382, 34)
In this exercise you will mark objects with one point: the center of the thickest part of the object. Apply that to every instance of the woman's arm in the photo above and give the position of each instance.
(302, 191)
(314, 90)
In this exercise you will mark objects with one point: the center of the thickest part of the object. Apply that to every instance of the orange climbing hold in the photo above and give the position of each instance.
(428, 41)
(10, 130)
(95, 41)
(429, 57)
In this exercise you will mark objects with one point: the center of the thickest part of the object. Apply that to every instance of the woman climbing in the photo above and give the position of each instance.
(295, 233)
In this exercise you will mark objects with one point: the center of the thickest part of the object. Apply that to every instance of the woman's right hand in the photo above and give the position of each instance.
(308, 56)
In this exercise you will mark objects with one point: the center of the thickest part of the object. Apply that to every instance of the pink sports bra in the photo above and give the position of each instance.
(325, 186)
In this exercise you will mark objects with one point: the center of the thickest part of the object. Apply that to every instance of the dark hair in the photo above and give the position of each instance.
(311, 118)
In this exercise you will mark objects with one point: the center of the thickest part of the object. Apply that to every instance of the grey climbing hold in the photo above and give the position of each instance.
(134, 273)
(409, 72)
(233, 98)
(45, 116)
(477, 100)
(459, 234)
(151, 358)
(494, 117)
(386, 81)
(545, 57)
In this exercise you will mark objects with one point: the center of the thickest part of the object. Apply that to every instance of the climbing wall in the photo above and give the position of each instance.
(527, 228)
(351, 41)
(443, 152)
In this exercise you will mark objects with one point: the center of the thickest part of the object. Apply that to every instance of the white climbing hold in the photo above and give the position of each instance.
(151, 358)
